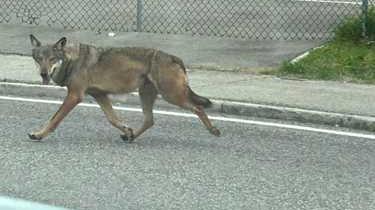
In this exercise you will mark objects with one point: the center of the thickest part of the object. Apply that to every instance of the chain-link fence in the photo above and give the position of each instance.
(245, 19)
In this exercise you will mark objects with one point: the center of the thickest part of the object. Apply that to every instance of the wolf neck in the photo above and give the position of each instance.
(61, 77)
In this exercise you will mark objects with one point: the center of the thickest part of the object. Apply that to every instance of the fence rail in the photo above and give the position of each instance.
(244, 19)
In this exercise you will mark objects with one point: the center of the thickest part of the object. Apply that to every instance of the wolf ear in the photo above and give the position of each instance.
(34, 41)
(60, 44)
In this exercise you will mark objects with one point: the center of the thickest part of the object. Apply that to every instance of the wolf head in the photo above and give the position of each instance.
(49, 58)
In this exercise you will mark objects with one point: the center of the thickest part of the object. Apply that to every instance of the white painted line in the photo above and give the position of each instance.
(32, 85)
(331, 2)
(225, 119)
(19, 84)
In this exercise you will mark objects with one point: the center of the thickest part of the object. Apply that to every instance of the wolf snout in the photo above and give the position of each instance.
(45, 78)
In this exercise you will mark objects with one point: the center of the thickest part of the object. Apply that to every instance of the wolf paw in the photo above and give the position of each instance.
(214, 131)
(35, 137)
(128, 136)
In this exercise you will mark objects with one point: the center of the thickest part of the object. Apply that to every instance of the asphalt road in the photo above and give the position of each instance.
(177, 165)
(256, 19)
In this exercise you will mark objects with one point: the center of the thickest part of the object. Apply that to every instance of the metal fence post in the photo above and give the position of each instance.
(139, 15)
(364, 18)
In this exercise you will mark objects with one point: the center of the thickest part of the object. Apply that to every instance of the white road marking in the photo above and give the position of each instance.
(331, 2)
(44, 86)
(32, 85)
(225, 119)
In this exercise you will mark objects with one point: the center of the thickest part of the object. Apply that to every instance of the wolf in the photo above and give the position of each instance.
(97, 71)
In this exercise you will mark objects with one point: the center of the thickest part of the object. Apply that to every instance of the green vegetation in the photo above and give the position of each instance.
(348, 57)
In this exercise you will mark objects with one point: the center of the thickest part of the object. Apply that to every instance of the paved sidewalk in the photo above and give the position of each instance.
(197, 52)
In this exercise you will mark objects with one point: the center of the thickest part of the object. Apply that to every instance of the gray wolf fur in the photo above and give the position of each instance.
(86, 69)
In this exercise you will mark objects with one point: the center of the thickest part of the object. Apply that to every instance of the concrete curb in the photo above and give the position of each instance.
(219, 106)
(305, 54)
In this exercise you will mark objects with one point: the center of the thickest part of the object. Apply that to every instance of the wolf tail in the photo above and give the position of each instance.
(199, 100)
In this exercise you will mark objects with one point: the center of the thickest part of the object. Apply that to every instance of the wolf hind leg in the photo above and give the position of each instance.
(197, 104)
(182, 96)
(199, 111)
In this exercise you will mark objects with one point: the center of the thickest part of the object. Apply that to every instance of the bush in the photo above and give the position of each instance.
(347, 58)
(351, 28)
(343, 61)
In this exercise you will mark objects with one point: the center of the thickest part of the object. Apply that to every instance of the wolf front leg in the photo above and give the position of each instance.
(70, 101)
